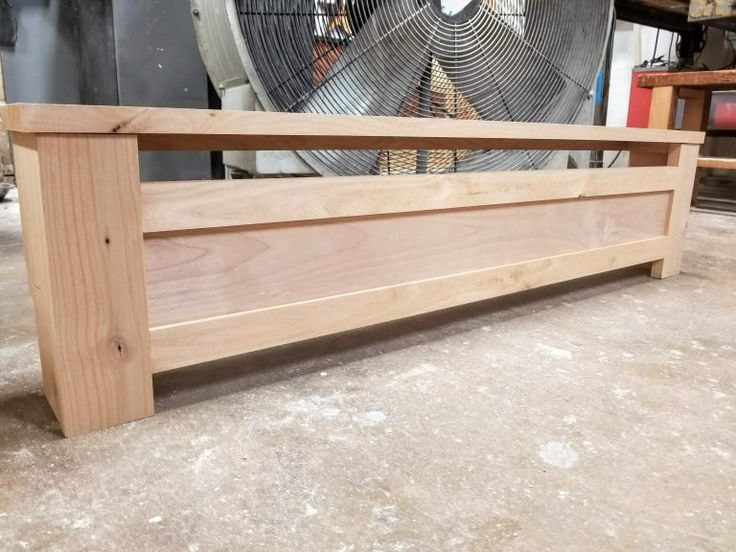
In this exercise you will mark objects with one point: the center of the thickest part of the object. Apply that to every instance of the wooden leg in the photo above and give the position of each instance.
(686, 158)
(82, 233)
(662, 108)
(662, 116)
(695, 117)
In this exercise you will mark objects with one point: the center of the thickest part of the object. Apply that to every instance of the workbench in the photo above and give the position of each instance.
(696, 89)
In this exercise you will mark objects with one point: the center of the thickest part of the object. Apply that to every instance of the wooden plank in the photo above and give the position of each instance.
(685, 157)
(178, 206)
(35, 247)
(662, 108)
(705, 80)
(80, 198)
(189, 343)
(646, 159)
(661, 116)
(675, 6)
(209, 274)
(697, 110)
(165, 128)
(695, 117)
(723, 163)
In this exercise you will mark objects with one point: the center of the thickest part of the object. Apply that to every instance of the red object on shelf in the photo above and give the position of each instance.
(723, 111)
(640, 99)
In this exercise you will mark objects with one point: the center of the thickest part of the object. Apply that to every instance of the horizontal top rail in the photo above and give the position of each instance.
(192, 129)
(705, 80)
(184, 206)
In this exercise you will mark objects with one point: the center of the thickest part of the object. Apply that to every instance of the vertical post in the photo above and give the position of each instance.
(685, 157)
(662, 108)
(661, 115)
(82, 231)
(697, 109)
(695, 117)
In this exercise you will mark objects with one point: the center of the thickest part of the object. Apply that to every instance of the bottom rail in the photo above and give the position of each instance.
(188, 343)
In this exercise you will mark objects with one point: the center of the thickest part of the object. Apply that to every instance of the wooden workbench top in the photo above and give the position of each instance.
(702, 80)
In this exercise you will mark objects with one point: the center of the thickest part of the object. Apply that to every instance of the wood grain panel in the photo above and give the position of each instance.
(175, 206)
(189, 343)
(211, 274)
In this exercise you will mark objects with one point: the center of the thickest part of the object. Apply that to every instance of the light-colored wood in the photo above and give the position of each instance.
(695, 117)
(646, 159)
(161, 128)
(661, 116)
(80, 198)
(203, 340)
(230, 267)
(686, 158)
(704, 80)
(35, 247)
(723, 163)
(177, 206)
(662, 109)
(697, 110)
(210, 274)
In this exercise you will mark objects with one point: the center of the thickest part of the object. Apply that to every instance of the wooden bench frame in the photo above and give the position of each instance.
(130, 278)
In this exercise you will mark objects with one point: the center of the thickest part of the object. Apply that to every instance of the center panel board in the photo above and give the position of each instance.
(202, 275)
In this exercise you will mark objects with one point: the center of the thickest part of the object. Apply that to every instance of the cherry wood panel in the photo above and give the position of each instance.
(215, 273)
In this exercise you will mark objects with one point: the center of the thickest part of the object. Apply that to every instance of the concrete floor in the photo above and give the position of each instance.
(597, 415)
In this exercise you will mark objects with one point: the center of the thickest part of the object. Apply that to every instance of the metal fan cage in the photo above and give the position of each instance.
(503, 60)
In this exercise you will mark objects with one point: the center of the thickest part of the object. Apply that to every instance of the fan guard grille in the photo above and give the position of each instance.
(506, 60)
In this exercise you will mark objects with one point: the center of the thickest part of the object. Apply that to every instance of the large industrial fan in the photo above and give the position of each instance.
(506, 60)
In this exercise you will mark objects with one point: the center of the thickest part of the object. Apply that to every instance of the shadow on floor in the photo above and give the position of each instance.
(195, 384)
(224, 377)
(30, 417)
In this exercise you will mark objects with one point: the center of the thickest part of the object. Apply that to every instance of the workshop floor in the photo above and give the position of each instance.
(597, 415)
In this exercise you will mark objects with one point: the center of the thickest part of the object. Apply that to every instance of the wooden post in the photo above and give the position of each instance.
(685, 157)
(695, 117)
(662, 110)
(81, 213)
(661, 116)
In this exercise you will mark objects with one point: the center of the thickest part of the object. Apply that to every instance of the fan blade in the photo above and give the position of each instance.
(488, 58)
(368, 80)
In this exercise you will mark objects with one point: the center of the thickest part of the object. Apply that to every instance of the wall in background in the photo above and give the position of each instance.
(131, 52)
(159, 65)
(44, 64)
